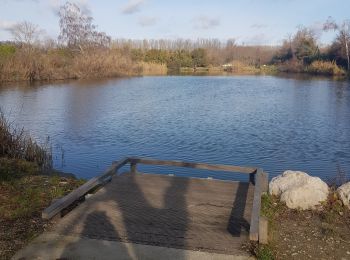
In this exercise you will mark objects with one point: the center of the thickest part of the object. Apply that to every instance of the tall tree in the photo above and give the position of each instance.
(304, 45)
(343, 37)
(77, 29)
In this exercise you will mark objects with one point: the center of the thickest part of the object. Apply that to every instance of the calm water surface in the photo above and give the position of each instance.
(271, 122)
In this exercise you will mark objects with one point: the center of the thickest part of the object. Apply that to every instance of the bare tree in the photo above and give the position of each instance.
(77, 29)
(343, 35)
(26, 33)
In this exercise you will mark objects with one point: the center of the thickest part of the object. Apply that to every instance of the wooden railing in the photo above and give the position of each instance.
(256, 176)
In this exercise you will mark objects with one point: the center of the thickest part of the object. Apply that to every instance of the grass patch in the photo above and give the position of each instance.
(24, 193)
(271, 208)
(264, 252)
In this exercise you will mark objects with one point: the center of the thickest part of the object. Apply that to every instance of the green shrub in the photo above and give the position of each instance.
(7, 50)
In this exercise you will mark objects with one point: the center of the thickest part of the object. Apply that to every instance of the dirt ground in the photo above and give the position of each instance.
(312, 234)
(14, 234)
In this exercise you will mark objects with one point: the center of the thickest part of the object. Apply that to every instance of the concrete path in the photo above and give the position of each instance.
(52, 246)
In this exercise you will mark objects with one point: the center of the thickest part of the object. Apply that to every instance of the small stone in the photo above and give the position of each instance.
(348, 252)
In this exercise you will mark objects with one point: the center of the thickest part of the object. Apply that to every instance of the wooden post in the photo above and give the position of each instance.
(133, 167)
(254, 222)
(264, 182)
(263, 230)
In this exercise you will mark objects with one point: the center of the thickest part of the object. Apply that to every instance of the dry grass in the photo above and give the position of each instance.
(56, 64)
(35, 65)
(338, 179)
(240, 67)
(16, 143)
(325, 68)
(151, 68)
(103, 63)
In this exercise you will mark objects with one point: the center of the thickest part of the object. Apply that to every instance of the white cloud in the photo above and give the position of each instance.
(147, 21)
(18, 1)
(205, 22)
(7, 25)
(82, 4)
(258, 26)
(132, 6)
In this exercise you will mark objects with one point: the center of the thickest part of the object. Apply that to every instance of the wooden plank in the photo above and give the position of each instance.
(203, 166)
(254, 222)
(67, 200)
(263, 230)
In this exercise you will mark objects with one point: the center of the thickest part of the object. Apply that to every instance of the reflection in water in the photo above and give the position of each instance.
(273, 122)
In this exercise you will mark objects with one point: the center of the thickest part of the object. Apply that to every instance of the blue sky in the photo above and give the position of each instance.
(247, 21)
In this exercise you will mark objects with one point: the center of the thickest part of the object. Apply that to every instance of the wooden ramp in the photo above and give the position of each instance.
(166, 211)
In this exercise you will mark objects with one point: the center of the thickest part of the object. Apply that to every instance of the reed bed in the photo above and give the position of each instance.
(152, 68)
(325, 68)
(15, 143)
(57, 64)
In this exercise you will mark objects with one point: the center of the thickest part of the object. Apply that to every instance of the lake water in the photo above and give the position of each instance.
(271, 122)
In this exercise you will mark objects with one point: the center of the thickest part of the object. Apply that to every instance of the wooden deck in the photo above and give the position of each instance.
(161, 210)
(167, 211)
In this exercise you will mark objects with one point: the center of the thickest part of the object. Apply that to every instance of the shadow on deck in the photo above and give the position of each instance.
(176, 212)
(147, 216)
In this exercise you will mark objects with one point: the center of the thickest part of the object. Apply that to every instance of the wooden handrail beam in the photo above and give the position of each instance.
(67, 200)
(203, 166)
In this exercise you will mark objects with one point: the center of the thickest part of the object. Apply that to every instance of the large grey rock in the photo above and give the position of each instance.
(299, 190)
(344, 194)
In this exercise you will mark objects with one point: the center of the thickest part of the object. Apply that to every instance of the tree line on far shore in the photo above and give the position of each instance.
(81, 51)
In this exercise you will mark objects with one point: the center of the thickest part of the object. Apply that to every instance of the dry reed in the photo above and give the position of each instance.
(17, 144)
